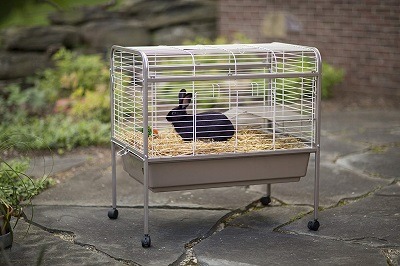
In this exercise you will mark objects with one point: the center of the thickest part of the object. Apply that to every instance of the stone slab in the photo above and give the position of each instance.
(28, 245)
(40, 38)
(50, 165)
(268, 218)
(27, 62)
(170, 230)
(251, 241)
(363, 126)
(102, 35)
(333, 147)
(383, 163)
(372, 221)
(238, 246)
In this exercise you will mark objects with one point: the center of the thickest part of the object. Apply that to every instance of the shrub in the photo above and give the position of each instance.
(16, 104)
(73, 76)
(93, 105)
(81, 81)
(16, 186)
(330, 77)
(57, 132)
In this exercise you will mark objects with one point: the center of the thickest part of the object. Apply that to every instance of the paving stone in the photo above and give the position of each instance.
(28, 245)
(372, 221)
(238, 246)
(268, 218)
(332, 147)
(383, 163)
(50, 165)
(170, 230)
(252, 241)
(392, 190)
(363, 126)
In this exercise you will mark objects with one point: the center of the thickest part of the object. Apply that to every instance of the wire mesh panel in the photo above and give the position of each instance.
(174, 101)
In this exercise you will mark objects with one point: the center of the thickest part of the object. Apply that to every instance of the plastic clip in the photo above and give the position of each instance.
(122, 152)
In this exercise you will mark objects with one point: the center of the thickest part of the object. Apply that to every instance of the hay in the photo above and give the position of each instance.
(167, 143)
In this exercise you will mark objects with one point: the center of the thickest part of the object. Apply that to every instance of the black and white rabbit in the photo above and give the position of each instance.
(209, 125)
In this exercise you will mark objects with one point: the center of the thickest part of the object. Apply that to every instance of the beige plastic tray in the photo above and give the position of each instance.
(172, 174)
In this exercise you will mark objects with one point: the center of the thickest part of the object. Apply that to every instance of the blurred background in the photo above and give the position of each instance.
(54, 66)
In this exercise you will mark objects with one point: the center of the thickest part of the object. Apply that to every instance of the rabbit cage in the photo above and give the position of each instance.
(203, 116)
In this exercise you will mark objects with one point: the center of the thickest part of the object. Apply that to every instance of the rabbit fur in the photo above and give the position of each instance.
(209, 125)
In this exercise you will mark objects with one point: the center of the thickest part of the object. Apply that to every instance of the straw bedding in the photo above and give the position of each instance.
(167, 143)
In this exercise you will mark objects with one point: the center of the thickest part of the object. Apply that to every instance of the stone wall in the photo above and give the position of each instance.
(363, 37)
(95, 29)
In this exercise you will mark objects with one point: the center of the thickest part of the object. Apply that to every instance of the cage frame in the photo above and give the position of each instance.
(132, 160)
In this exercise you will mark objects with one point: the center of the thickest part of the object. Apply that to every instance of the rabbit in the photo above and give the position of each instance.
(209, 125)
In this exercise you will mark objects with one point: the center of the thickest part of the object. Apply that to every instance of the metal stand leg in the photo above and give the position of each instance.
(146, 241)
(267, 198)
(316, 185)
(268, 190)
(314, 225)
(113, 213)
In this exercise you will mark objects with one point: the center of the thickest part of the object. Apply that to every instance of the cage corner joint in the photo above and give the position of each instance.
(217, 110)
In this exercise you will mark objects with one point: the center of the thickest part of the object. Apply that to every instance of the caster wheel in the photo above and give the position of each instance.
(313, 225)
(146, 241)
(265, 200)
(113, 214)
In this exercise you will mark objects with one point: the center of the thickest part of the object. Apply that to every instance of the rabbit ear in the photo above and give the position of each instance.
(186, 100)
(181, 96)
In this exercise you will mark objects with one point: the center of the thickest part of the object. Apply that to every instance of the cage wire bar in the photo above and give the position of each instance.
(270, 93)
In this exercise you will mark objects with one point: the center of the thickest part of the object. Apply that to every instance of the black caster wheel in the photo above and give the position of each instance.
(113, 214)
(146, 241)
(313, 225)
(265, 200)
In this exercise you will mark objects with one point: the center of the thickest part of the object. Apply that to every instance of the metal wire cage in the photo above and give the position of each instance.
(269, 94)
